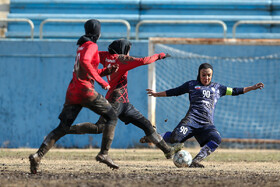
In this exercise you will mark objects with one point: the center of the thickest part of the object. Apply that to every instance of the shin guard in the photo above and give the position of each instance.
(205, 151)
(47, 144)
(107, 139)
(86, 128)
(156, 139)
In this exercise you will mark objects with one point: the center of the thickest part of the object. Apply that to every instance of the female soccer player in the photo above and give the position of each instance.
(118, 53)
(81, 93)
(198, 122)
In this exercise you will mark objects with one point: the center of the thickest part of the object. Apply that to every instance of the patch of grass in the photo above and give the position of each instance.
(221, 155)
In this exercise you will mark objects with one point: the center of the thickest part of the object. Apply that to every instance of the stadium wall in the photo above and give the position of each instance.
(34, 76)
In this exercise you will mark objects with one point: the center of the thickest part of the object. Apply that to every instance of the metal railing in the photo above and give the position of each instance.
(253, 22)
(126, 23)
(179, 22)
(21, 20)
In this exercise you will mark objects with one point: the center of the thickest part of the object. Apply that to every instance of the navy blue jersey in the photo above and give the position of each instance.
(203, 100)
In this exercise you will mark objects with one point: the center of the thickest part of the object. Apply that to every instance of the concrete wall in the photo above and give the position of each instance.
(34, 76)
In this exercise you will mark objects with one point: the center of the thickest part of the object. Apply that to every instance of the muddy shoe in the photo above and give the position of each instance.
(106, 160)
(34, 160)
(144, 139)
(196, 165)
(175, 149)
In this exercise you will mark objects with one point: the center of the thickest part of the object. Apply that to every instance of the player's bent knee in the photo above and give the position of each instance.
(145, 125)
(61, 130)
(216, 137)
(111, 116)
(175, 139)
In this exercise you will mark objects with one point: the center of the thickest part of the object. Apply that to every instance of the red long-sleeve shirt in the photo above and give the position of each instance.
(118, 80)
(81, 87)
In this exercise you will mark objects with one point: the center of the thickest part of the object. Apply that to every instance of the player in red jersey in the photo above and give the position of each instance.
(118, 53)
(81, 93)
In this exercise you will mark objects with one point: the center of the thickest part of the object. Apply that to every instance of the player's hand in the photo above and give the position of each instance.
(259, 85)
(151, 92)
(167, 55)
(114, 68)
(107, 87)
(163, 55)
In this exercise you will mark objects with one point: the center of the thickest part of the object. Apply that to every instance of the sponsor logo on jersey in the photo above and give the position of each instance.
(80, 48)
(197, 87)
(110, 60)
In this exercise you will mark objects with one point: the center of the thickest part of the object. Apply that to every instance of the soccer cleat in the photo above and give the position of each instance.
(106, 160)
(34, 160)
(174, 150)
(196, 165)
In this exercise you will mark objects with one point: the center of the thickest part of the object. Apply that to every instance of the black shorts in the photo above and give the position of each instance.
(70, 112)
(127, 112)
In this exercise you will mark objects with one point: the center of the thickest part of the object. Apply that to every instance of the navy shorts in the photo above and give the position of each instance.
(187, 129)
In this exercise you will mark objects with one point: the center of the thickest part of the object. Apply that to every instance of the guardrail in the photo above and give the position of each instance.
(255, 22)
(126, 23)
(179, 22)
(21, 20)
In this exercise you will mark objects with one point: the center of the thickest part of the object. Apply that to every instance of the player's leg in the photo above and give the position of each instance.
(209, 140)
(183, 131)
(67, 117)
(102, 107)
(131, 115)
(88, 128)
(180, 134)
(93, 128)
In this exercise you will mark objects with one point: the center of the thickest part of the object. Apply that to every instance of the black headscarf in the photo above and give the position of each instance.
(120, 46)
(92, 31)
(203, 66)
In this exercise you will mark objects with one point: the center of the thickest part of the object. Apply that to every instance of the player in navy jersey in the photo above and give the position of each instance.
(118, 53)
(198, 122)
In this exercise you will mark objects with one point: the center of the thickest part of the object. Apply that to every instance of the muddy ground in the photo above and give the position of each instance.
(140, 167)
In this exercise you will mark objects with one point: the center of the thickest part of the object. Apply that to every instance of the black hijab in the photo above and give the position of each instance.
(120, 46)
(92, 31)
(203, 66)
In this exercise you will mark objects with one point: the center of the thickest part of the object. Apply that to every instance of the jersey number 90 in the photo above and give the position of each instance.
(206, 93)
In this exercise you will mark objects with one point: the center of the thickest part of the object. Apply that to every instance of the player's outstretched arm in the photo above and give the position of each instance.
(108, 70)
(151, 92)
(153, 58)
(259, 85)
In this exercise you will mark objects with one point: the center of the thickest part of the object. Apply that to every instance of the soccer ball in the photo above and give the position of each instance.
(182, 159)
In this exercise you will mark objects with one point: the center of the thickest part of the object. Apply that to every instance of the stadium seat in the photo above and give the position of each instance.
(134, 11)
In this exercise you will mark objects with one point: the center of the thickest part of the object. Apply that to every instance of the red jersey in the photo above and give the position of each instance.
(118, 80)
(81, 87)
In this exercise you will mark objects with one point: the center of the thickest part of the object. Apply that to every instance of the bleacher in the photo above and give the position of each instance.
(134, 11)
(4, 10)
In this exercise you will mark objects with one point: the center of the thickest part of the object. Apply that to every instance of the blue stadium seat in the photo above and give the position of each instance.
(39, 10)
(229, 12)
(69, 30)
(135, 11)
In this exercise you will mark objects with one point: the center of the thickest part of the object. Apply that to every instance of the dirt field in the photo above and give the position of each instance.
(140, 167)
